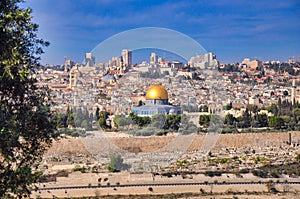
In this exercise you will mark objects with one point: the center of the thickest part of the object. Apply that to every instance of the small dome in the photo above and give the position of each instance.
(108, 77)
(156, 92)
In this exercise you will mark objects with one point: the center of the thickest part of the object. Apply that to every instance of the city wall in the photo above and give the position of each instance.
(78, 147)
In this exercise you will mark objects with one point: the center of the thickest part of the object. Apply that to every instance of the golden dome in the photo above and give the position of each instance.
(156, 92)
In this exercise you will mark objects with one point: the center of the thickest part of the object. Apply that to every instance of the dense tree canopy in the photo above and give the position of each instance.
(26, 129)
(204, 120)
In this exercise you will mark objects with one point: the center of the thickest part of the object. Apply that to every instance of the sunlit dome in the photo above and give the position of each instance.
(156, 92)
(156, 103)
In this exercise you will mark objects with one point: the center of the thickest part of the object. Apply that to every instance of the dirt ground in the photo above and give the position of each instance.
(75, 147)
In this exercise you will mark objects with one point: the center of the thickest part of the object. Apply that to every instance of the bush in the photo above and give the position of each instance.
(56, 159)
(202, 190)
(72, 132)
(273, 190)
(274, 174)
(116, 163)
(260, 173)
(81, 169)
(246, 170)
(229, 129)
(168, 174)
(213, 173)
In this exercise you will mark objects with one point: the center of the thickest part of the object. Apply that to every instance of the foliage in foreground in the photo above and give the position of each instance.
(26, 129)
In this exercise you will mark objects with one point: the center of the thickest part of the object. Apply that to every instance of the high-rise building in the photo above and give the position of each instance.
(255, 64)
(153, 58)
(160, 60)
(89, 59)
(207, 60)
(127, 57)
(115, 61)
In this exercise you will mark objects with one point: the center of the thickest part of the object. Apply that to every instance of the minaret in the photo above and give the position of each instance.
(293, 92)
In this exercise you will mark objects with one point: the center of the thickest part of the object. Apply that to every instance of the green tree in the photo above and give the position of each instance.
(116, 163)
(97, 113)
(262, 120)
(158, 121)
(229, 119)
(173, 122)
(121, 121)
(103, 116)
(245, 120)
(78, 117)
(273, 109)
(26, 129)
(85, 124)
(140, 121)
(70, 120)
(60, 120)
(276, 122)
(204, 120)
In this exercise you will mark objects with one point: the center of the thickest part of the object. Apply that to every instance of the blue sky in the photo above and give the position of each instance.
(233, 30)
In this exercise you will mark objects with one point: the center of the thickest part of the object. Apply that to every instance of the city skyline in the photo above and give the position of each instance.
(232, 30)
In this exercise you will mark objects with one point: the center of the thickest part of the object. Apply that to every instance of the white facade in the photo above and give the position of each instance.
(153, 58)
(127, 57)
(207, 60)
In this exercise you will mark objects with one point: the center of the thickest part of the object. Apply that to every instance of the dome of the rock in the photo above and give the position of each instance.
(157, 102)
(156, 92)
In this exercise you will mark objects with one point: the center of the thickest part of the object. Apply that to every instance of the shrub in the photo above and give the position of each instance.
(213, 173)
(116, 163)
(245, 170)
(274, 174)
(202, 190)
(260, 173)
(81, 169)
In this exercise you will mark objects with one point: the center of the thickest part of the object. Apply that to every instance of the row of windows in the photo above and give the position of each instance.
(152, 112)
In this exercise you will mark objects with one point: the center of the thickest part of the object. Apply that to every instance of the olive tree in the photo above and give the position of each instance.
(26, 129)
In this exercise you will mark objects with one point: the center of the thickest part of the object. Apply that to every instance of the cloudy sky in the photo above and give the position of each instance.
(233, 30)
